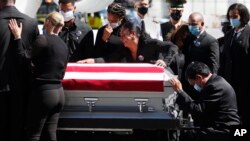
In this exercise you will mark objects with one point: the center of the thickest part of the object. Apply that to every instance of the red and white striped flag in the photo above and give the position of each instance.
(114, 77)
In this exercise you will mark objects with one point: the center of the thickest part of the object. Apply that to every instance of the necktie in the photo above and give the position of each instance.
(234, 38)
(142, 26)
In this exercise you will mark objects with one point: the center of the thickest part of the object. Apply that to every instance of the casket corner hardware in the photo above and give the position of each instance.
(91, 102)
(141, 102)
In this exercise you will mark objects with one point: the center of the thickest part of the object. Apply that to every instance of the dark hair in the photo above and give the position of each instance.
(195, 68)
(67, 1)
(4, 2)
(243, 11)
(133, 27)
(180, 36)
(117, 9)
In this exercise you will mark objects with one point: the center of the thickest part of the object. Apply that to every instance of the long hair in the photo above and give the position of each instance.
(180, 36)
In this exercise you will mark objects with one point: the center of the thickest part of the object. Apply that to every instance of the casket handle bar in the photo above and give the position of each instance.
(91, 102)
(141, 102)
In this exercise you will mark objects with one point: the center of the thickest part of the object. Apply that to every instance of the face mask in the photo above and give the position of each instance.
(195, 30)
(69, 15)
(197, 88)
(235, 22)
(143, 10)
(114, 25)
(176, 16)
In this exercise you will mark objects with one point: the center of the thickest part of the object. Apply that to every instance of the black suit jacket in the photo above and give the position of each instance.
(216, 107)
(14, 61)
(235, 60)
(204, 49)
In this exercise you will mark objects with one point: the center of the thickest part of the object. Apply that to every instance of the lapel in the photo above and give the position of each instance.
(243, 33)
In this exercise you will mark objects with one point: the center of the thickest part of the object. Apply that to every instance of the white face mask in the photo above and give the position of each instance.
(114, 25)
(69, 15)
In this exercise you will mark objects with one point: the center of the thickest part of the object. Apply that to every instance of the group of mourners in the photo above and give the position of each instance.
(212, 77)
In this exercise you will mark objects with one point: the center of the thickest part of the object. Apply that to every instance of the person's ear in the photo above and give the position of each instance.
(202, 23)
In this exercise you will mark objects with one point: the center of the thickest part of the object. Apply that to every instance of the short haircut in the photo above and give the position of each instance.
(243, 11)
(67, 1)
(195, 68)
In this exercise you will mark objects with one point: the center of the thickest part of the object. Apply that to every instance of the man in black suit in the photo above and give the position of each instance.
(216, 109)
(14, 71)
(202, 47)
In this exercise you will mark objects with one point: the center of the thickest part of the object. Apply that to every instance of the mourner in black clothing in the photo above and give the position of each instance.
(215, 110)
(140, 48)
(175, 22)
(108, 37)
(78, 35)
(15, 72)
(201, 47)
(180, 38)
(49, 59)
(235, 60)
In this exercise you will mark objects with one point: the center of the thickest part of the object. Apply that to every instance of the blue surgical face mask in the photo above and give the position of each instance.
(195, 30)
(235, 22)
(197, 88)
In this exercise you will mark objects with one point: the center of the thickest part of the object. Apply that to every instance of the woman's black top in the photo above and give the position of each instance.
(49, 58)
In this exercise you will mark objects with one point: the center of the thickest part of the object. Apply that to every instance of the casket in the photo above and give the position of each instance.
(116, 96)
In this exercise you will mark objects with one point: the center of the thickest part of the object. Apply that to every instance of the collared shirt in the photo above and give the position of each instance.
(238, 32)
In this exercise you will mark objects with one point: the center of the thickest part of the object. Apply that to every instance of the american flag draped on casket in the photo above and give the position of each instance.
(114, 77)
(116, 96)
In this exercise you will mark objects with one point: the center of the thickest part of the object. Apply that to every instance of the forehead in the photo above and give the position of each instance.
(124, 30)
(234, 12)
(143, 2)
(194, 19)
(67, 6)
(111, 15)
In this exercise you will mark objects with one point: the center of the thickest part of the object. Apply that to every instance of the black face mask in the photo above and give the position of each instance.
(176, 16)
(143, 10)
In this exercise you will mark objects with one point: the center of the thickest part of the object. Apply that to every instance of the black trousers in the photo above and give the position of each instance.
(4, 116)
(13, 109)
(43, 114)
(207, 134)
